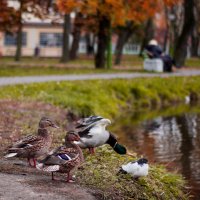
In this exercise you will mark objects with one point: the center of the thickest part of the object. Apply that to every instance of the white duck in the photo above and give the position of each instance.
(93, 134)
(137, 168)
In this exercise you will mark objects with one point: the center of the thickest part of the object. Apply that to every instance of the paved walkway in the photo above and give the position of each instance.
(36, 79)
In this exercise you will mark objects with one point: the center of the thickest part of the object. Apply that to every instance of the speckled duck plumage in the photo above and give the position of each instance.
(33, 146)
(65, 158)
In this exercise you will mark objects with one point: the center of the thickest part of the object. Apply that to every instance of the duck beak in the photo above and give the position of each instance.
(54, 125)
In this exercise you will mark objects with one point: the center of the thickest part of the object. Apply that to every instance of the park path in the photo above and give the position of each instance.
(36, 79)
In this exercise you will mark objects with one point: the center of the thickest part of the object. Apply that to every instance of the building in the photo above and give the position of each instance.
(46, 36)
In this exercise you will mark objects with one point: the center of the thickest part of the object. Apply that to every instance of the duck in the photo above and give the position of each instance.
(65, 158)
(33, 146)
(93, 133)
(136, 168)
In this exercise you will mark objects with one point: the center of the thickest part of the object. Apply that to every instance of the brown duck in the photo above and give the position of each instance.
(33, 146)
(65, 158)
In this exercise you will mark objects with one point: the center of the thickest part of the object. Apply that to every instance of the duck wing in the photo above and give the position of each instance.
(25, 146)
(84, 122)
(28, 144)
(60, 156)
(69, 152)
(86, 132)
(29, 140)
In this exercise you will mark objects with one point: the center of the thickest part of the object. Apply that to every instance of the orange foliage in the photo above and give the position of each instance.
(7, 16)
(118, 11)
(10, 17)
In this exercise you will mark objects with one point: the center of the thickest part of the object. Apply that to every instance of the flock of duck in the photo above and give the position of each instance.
(89, 133)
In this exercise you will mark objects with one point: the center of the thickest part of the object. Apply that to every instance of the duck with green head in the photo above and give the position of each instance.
(93, 133)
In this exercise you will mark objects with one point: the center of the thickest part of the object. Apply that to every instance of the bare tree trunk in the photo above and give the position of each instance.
(66, 32)
(76, 36)
(182, 43)
(196, 32)
(195, 44)
(19, 35)
(176, 24)
(104, 26)
(167, 32)
(123, 37)
(148, 34)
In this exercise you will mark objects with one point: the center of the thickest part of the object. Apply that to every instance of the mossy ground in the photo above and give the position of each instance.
(100, 172)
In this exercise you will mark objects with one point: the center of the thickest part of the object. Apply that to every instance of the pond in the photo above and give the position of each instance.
(170, 137)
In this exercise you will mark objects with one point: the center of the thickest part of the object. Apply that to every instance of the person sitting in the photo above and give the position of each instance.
(153, 50)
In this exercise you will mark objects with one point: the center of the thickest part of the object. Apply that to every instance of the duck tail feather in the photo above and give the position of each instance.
(121, 171)
(40, 166)
(10, 155)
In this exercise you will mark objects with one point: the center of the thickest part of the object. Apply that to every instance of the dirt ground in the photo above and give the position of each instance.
(17, 179)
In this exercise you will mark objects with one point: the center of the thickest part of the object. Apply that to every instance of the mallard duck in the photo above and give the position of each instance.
(64, 158)
(33, 146)
(136, 168)
(93, 133)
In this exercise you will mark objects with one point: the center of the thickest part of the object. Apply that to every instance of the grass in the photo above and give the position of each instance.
(111, 97)
(41, 66)
(82, 59)
(193, 63)
(39, 71)
(159, 184)
(48, 66)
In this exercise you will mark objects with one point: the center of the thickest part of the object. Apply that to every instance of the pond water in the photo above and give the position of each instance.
(170, 139)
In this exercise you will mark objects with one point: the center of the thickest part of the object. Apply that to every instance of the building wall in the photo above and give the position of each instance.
(33, 39)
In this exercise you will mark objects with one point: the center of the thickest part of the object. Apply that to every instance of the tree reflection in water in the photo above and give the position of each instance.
(174, 141)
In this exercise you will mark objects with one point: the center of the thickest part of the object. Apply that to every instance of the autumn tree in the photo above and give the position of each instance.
(141, 15)
(180, 52)
(23, 7)
(109, 14)
(7, 16)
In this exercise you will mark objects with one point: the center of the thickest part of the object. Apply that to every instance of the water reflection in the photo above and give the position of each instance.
(174, 141)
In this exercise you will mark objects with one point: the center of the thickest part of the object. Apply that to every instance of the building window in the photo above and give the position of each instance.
(50, 39)
(11, 39)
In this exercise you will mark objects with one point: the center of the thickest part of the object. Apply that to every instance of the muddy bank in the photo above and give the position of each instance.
(17, 179)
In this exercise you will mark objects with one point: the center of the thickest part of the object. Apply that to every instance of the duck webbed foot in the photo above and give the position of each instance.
(91, 150)
(70, 178)
(30, 163)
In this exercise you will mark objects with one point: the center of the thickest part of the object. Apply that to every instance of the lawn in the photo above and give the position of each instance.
(48, 66)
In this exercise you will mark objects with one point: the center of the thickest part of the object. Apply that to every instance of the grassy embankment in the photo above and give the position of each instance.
(111, 99)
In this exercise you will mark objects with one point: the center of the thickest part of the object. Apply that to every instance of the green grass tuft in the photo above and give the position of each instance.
(159, 184)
